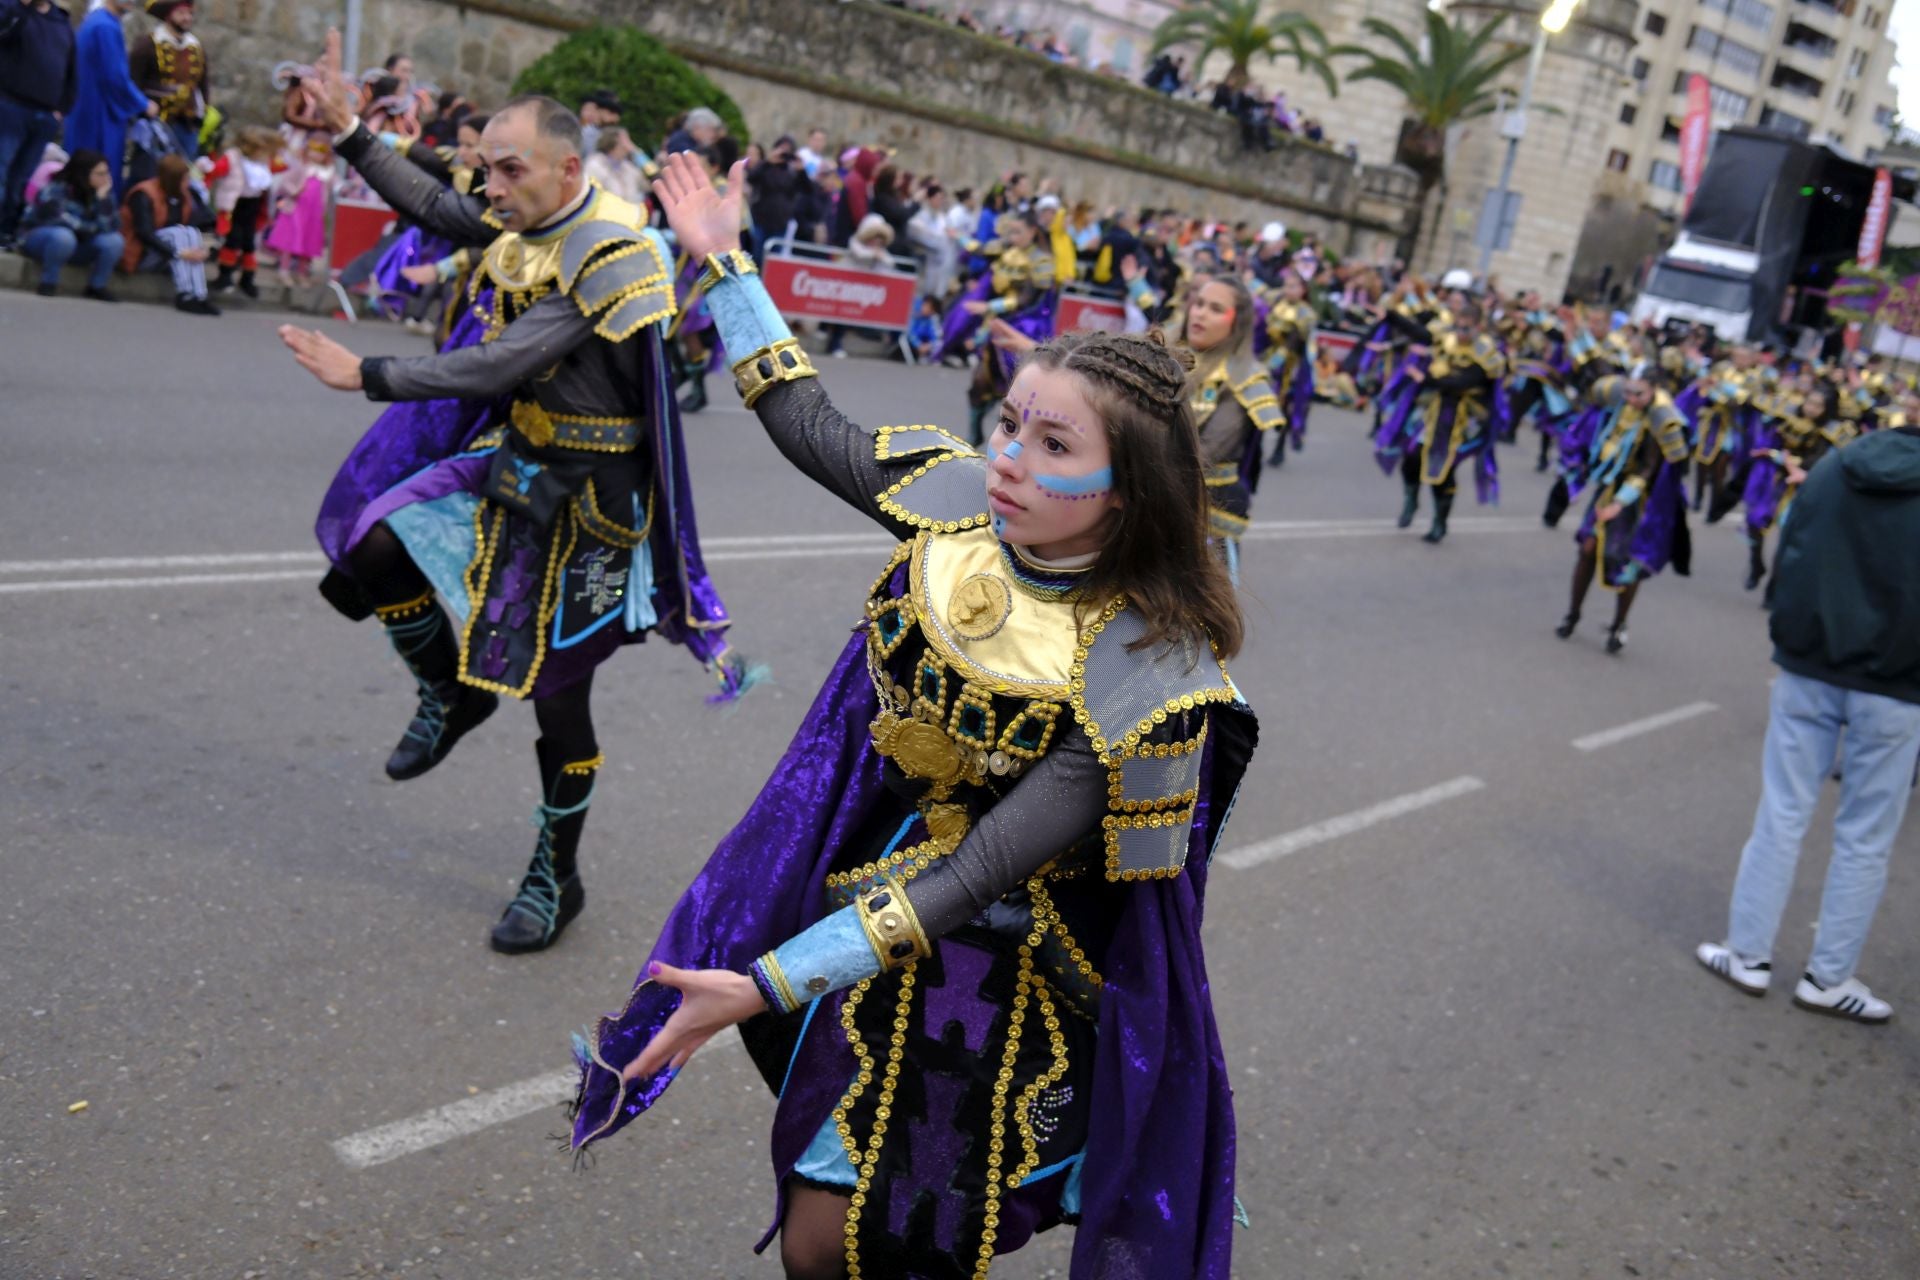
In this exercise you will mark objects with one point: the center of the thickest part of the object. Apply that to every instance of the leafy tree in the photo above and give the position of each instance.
(1235, 28)
(1448, 78)
(654, 83)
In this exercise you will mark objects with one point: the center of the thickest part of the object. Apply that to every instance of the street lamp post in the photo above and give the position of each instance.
(1553, 20)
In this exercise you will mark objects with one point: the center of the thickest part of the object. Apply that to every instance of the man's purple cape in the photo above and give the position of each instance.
(1157, 1189)
(411, 454)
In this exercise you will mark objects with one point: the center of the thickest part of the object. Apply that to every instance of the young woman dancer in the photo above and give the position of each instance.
(959, 927)
(1233, 403)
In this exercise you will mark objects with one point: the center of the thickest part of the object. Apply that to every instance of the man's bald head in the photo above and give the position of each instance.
(534, 167)
(552, 122)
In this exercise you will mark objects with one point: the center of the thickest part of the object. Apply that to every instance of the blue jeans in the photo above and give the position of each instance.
(57, 246)
(1880, 738)
(24, 135)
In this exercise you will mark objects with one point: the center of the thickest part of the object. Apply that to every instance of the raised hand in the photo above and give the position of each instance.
(331, 99)
(703, 220)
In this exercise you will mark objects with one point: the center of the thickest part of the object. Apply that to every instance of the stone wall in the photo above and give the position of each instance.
(951, 103)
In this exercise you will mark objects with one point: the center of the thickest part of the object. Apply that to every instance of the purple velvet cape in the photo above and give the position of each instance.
(1157, 1181)
(1658, 533)
(412, 248)
(413, 453)
(1401, 428)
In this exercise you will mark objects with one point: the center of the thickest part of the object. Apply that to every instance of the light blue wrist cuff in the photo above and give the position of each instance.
(829, 956)
(1627, 494)
(743, 311)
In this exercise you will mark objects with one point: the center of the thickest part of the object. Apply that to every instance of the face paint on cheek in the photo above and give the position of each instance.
(1013, 450)
(1094, 484)
(999, 526)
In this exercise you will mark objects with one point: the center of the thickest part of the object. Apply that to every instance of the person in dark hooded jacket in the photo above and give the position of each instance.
(1846, 636)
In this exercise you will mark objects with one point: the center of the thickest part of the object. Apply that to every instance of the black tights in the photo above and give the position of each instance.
(384, 570)
(1583, 571)
(389, 576)
(813, 1234)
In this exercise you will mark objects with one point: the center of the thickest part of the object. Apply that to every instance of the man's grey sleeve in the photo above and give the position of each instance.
(405, 186)
(537, 340)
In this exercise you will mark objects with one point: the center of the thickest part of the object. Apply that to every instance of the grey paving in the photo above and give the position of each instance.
(1468, 1042)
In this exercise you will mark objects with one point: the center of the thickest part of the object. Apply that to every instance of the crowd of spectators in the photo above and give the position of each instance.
(166, 208)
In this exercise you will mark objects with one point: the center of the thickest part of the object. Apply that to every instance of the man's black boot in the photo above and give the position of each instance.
(1410, 505)
(551, 894)
(1442, 508)
(424, 639)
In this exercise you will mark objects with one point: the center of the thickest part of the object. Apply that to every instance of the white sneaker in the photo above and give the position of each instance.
(1849, 999)
(1720, 959)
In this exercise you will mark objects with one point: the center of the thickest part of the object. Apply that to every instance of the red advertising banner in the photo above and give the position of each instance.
(1333, 343)
(831, 289)
(1089, 311)
(1873, 230)
(1696, 132)
(357, 227)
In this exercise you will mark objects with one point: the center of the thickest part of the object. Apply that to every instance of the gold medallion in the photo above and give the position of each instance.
(979, 607)
(920, 750)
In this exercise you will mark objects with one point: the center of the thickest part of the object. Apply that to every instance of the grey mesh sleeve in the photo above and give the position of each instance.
(1056, 803)
(536, 340)
(830, 448)
(409, 189)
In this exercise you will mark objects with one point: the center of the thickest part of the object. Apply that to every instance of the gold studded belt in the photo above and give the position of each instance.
(573, 430)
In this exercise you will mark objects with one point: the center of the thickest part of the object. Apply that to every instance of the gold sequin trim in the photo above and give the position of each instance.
(409, 609)
(865, 1163)
(580, 768)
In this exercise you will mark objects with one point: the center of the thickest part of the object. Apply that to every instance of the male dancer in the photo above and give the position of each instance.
(1447, 419)
(557, 521)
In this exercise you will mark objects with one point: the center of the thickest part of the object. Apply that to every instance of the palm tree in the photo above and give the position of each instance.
(1235, 28)
(1449, 80)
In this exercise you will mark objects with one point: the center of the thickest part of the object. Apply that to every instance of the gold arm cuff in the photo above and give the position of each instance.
(892, 928)
(734, 262)
(784, 361)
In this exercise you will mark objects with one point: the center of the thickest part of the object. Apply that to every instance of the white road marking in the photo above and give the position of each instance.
(1347, 823)
(469, 1116)
(159, 562)
(387, 1142)
(177, 580)
(1633, 729)
(795, 546)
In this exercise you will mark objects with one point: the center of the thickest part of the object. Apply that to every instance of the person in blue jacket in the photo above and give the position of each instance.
(107, 100)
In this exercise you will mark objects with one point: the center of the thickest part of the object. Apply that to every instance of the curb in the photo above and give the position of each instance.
(156, 289)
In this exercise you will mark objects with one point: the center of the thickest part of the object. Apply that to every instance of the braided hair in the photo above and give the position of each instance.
(1156, 551)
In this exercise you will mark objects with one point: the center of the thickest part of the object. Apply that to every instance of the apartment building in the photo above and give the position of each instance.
(1817, 69)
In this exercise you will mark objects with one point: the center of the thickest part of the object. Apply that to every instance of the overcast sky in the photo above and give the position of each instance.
(1904, 23)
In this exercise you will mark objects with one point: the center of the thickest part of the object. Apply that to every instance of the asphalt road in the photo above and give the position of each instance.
(1469, 1038)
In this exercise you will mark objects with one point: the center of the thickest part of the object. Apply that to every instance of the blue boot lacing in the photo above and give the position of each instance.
(410, 639)
(539, 894)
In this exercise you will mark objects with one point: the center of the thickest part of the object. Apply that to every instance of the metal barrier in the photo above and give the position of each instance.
(821, 282)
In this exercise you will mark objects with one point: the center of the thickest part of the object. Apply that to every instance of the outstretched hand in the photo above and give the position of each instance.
(322, 357)
(331, 99)
(703, 220)
(711, 1000)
